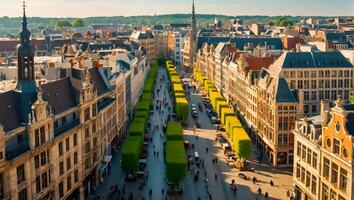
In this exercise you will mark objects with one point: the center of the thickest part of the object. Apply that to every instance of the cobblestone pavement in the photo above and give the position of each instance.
(219, 188)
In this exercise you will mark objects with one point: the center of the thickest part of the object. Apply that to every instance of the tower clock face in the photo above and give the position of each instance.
(337, 126)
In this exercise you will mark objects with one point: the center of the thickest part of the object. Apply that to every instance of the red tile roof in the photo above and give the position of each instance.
(10, 45)
(256, 64)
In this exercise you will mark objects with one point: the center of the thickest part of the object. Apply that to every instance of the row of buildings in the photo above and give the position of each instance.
(61, 122)
(292, 92)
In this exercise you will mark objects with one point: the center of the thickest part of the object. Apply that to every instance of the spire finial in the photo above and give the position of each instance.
(24, 7)
(24, 19)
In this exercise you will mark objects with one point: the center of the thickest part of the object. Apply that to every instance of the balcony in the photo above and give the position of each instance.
(60, 130)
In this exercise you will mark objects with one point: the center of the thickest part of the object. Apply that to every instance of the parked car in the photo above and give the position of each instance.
(213, 120)
(194, 114)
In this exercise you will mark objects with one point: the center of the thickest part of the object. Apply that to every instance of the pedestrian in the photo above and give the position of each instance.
(259, 191)
(162, 191)
(254, 180)
(206, 149)
(131, 195)
(266, 195)
(216, 177)
(150, 193)
(154, 153)
(271, 183)
(216, 160)
(157, 154)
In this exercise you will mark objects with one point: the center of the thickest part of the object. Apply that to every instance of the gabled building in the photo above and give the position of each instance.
(57, 137)
(323, 164)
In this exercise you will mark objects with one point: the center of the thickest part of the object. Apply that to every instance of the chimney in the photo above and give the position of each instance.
(325, 111)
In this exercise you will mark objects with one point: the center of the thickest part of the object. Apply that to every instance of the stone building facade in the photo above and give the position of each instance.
(57, 138)
(323, 164)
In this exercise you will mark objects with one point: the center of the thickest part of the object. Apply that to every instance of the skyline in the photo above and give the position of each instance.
(66, 8)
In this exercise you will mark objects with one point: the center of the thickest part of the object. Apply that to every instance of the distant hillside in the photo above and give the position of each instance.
(12, 25)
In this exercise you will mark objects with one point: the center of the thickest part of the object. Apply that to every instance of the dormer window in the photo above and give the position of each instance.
(336, 146)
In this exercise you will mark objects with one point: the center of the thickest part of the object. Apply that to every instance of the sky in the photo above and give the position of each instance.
(86, 8)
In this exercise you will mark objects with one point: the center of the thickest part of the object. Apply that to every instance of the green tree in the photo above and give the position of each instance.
(271, 23)
(286, 23)
(62, 24)
(279, 20)
(78, 23)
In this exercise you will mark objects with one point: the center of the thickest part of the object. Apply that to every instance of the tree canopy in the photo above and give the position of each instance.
(283, 21)
(78, 23)
(62, 24)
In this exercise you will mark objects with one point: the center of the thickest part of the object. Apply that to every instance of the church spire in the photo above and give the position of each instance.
(194, 21)
(25, 53)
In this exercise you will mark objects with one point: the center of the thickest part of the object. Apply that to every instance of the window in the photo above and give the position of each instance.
(314, 184)
(68, 163)
(299, 84)
(87, 163)
(94, 142)
(309, 156)
(334, 83)
(19, 139)
(326, 168)
(38, 184)
(336, 146)
(61, 189)
(333, 195)
(313, 95)
(298, 150)
(325, 192)
(321, 84)
(303, 171)
(313, 84)
(42, 132)
(44, 180)
(75, 140)
(87, 147)
(327, 73)
(313, 74)
(36, 138)
(75, 158)
(306, 84)
(63, 121)
(22, 195)
(308, 179)
(36, 162)
(61, 168)
(87, 114)
(43, 158)
(334, 173)
(94, 127)
(343, 179)
(68, 183)
(303, 151)
(306, 95)
(314, 108)
(76, 176)
(67, 142)
(20, 174)
(60, 148)
(298, 170)
(87, 132)
(314, 159)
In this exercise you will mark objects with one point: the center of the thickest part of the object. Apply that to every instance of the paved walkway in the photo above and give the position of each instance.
(155, 164)
(219, 188)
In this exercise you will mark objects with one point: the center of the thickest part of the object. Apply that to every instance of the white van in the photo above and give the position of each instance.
(196, 158)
